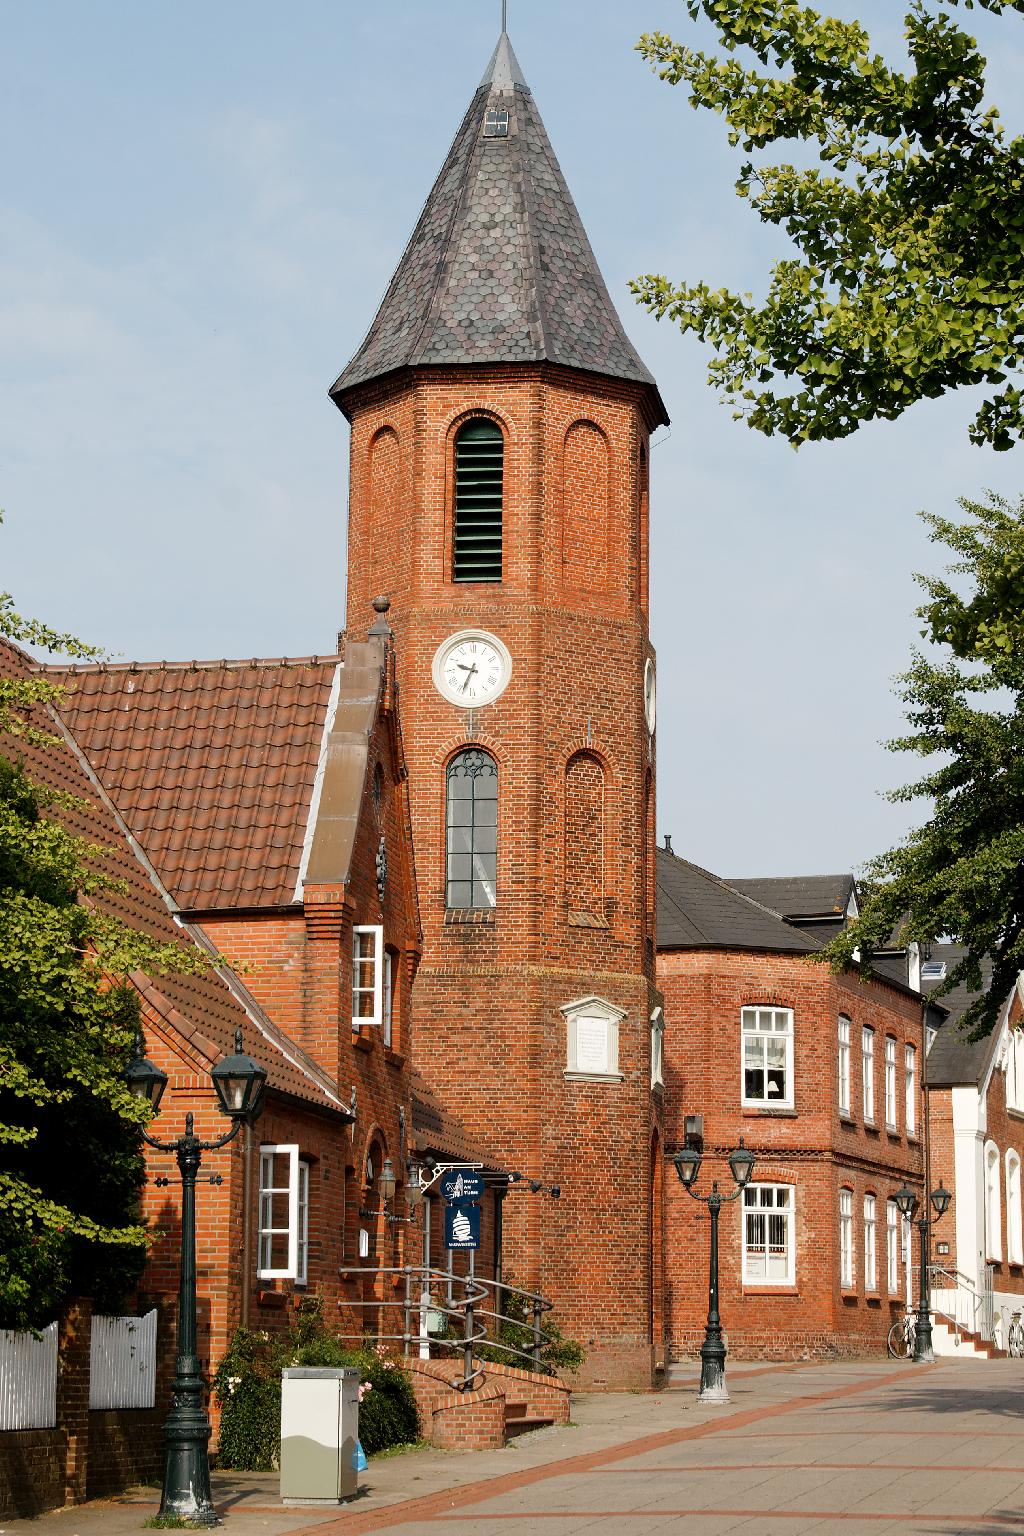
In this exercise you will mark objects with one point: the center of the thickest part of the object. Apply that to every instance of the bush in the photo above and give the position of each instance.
(248, 1388)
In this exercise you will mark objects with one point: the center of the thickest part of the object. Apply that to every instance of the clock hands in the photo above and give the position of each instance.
(469, 674)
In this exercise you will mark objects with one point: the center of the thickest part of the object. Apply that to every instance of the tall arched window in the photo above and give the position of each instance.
(1014, 1234)
(479, 491)
(472, 823)
(993, 1204)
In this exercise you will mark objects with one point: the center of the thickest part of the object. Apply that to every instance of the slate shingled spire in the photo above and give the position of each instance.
(499, 268)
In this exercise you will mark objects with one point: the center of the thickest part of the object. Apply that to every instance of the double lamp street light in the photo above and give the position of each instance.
(712, 1351)
(240, 1083)
(906, 1204)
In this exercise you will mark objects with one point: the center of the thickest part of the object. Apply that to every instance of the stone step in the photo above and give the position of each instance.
(523, 1423)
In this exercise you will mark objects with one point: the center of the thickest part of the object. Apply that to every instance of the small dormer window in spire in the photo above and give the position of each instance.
(496, 123)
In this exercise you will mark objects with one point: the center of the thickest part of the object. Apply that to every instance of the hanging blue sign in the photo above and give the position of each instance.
(458, 1184)
(462, 1226)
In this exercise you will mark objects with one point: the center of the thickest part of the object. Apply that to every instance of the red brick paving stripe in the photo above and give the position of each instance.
(435, 1505)
(810, 1466)
(763, 1514)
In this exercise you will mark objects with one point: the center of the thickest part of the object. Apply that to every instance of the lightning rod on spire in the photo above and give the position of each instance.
(504, 16)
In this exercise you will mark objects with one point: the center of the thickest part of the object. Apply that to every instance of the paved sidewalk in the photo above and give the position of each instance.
(861, 1449)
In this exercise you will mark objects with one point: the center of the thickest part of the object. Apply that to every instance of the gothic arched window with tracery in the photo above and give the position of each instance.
(472, 830)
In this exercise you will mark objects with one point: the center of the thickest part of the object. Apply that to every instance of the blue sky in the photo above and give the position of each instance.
(200, 208)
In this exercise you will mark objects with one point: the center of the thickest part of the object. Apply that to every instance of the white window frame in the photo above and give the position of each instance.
(1015, 1069)
(268, 1151)
(846, 1280)
(388, 998)
(1014, 1232)
(658, 1048)
(892, 1247)
(890, 1082)
(844, 1064)
(993, 1205)
(870, 1243)
(378, 971)
(786, 1101)
(910, 1088)
(788, 1215)
(592, 1040)
(867, 1071)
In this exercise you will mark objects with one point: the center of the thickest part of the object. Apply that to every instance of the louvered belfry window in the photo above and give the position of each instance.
(479, 485)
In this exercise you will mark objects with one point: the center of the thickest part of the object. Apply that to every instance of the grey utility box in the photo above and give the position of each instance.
(319, 1430)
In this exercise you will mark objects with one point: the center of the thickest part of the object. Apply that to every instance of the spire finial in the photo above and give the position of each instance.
(504, 16)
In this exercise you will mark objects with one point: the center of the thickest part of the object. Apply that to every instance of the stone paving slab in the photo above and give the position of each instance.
(861, 1449)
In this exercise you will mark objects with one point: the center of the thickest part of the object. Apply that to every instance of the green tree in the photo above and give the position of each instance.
(70, 1159)
(909, 277)
(961, 874)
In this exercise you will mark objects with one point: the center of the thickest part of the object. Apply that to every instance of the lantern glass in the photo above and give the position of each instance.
(905, 1201)
(687, 1161)
(143, 1079)
(239, 1082)
(940, 1199)
(741, 1162)
(387, 1180)
(414, 1192)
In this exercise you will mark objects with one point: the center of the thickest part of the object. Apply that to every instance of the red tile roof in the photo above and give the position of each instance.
(202, 1008)
(211, 765)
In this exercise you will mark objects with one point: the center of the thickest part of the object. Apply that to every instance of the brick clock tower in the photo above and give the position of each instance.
(499, 496)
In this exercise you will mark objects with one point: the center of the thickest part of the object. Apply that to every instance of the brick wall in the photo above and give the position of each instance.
(811, 1148)
(571, 608)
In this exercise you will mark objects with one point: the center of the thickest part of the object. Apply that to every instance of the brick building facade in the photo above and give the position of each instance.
(820, 1075)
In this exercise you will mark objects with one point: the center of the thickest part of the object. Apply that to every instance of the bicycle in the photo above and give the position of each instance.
(902, 1338)
(1015, 1336)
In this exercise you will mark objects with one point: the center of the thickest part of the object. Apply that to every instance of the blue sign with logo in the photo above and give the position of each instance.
(462, 1226)
(459, 1184)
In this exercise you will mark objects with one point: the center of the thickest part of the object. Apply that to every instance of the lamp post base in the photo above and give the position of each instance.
(712, 1372)
(924, 1353)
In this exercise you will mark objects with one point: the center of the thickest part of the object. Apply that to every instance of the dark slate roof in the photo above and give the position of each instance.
(697, 910)
(954, 1058)
(801, 896)
(499, 267)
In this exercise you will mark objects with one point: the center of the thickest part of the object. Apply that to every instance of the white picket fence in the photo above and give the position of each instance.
(28, 1380)
(122, 1370)
(122, 1364)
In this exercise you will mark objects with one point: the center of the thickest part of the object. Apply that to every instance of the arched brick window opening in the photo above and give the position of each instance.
(472, 831)
(584, 835)
(385, 504)
(1014, 1231)
(585, 529)
(479, 500)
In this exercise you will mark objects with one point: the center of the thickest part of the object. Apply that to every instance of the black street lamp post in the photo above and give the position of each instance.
(713, 1351)
(239, 1082)
(906, 1204)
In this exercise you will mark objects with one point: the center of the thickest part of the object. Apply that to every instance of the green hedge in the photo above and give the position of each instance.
(248, 1387)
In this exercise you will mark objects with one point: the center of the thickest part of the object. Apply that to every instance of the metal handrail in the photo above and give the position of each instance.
(468, 1309)
(958, 1283)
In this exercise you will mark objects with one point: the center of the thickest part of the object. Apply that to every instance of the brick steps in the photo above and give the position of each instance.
(971, 1345)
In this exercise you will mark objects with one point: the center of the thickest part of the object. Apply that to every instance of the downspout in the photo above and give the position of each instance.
(246, 1298)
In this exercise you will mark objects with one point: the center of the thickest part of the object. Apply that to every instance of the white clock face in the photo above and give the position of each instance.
(650, 695)
(471, 669)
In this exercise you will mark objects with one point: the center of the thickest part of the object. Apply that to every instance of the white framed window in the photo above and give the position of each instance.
(592, 1039)
(658, 1048)
(846, 1238)
(281, 1186)
(867, 1069)
(367, 975)
(890, 1082)
(910, 1088)
(387, 1004)
(767, 1035)
(844, 1065)
(1014, 1235)
(993, 1204)
(1015, 1069)
(892, 1247)
(768, 1239)
(870, 1245)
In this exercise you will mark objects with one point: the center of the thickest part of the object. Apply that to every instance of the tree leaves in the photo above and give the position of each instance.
(961, 874)
(909, 281)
